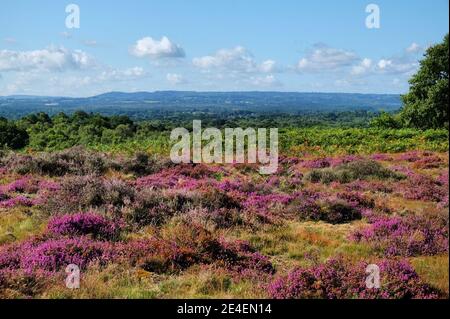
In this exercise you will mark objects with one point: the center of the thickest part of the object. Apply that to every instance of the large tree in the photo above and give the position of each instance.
(426, 104)
(11, 136)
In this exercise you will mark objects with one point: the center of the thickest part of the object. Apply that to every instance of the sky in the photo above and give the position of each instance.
(220, 45)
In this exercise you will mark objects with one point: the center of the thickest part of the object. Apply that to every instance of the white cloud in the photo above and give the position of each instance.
(396, 66)
(268, 66)
(324, 58)
(362, 68)
(175, 79)
(414, 48)
(265, 81)
(237, 59)
(129, 74)
(50, 59)
(164, 48)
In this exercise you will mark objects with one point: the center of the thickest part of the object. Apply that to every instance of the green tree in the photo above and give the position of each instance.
(386, 120)
(426, 104)
(11, 136)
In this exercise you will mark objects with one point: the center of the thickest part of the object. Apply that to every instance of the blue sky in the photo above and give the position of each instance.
(284, 45)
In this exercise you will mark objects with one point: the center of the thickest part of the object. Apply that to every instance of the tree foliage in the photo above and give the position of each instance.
(11, 136)
(426, 104)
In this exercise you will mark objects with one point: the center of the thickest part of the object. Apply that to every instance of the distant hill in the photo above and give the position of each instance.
(147, 104)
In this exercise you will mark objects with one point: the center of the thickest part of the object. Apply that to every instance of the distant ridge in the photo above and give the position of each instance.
(142, 104)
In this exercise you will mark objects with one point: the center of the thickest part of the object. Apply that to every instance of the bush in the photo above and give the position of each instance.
(84, 224)
(11, 136)
(339, 279)
(76, 161)
(348, 172)
(77, 193)
(55, 255)
(140, 165)
(406, 236)
(338, 212)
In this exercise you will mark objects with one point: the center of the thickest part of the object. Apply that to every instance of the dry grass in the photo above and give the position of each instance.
(433, 270)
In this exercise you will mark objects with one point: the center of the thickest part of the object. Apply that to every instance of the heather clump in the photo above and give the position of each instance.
(76, 160)
(55, 255)
(406, 236)
(83, 224)
(340, 279)
(77, 193)
(80, 193)
(423, 187)
(348, 172)
(311, 206)
(24, 184)
(337, 211)
(153, 207)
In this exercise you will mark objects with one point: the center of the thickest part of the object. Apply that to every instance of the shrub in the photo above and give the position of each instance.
(84, 224)
(315, 206)
(77, 193)
(422, 187)
(23, 185)
(406, 236)
(338, 212)
(357, 170)
(152, 207)
(76, 160)
(55, 255)
(140, 164)
(339, 279)
(16, 201)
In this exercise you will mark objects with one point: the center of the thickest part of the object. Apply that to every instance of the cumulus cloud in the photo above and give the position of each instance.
(324, 58)
(363, 67)
(237, 59)
(157, 49)
(269, 66)
(396, 66)
(50, 59)
(175, 79)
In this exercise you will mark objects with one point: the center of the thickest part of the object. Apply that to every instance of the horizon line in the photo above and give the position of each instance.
(189, 91)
